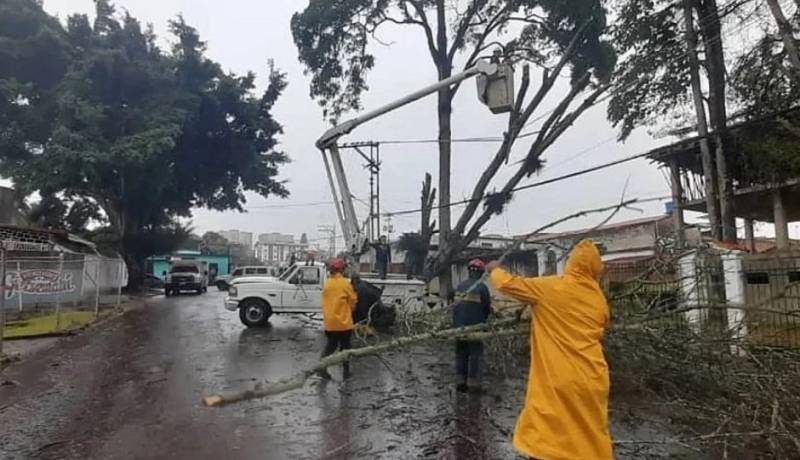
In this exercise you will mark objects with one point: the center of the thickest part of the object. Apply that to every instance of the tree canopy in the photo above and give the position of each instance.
(333, 38)
(97, 111)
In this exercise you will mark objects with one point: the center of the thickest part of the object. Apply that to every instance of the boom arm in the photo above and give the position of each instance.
(354, 238)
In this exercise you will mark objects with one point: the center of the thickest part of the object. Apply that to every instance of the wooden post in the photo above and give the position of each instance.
(119, 282)
(2, 295)
(19, 291)
(779, 217)
(97, 288)
(749, 235)
(677, 201)
(58, 294)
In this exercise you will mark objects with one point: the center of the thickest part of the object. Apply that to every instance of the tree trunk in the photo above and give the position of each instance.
(135, 269)
(787, 35)
(119, 223)
(715, 62)
(427, 227)
(702, 125)
(445, 111)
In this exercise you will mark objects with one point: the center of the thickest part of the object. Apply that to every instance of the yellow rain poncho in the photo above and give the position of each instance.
(566, 406)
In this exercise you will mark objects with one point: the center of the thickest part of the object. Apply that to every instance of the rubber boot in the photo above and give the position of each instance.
(475, 386)
(461, 386)
(325, 375)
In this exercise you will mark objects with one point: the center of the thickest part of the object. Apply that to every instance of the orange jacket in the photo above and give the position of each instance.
(566, 406)
(338, 301)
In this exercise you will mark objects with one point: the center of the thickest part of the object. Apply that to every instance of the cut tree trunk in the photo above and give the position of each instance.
(445, 112)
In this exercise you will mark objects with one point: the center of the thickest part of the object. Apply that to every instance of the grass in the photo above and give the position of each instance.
(41, 325)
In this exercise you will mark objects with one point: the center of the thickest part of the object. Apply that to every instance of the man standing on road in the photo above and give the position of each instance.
(566, 407)
(338, 301)
(383, 257)
(472, 306)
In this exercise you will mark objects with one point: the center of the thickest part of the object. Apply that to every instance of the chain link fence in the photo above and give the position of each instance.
(52, 292)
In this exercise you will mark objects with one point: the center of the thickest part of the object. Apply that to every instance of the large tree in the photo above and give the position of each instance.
(144, 133)
(673, 66)
(334, 37)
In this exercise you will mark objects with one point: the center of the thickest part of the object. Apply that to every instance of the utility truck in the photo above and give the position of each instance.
(299, 290)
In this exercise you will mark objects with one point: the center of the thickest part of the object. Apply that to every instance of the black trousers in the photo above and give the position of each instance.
(383, 268)
(338, 340)
(468, 359)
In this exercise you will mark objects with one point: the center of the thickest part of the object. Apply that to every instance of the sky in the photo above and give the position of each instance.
(243, 35)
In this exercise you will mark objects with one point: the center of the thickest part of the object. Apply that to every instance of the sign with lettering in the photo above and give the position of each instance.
(39, 282)
(24, 246)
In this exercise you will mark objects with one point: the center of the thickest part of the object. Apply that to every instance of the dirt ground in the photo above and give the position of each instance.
(132, 390)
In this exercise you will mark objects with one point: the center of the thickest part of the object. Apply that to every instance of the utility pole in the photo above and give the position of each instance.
(373, 165)
(329, 230)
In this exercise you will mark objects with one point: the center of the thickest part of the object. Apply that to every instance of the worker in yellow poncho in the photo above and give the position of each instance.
(566, 407)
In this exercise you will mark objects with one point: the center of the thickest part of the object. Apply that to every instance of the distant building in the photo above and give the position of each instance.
(277, 249)
(275, 238)
(763, 188)
(238, 237)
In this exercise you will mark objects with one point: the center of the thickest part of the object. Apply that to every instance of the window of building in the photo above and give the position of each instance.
(757, 278)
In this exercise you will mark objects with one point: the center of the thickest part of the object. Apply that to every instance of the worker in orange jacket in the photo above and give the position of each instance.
(566, 407)
(338, 301)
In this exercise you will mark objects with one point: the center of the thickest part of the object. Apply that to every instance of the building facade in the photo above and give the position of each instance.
(238, 237)
(277, 249)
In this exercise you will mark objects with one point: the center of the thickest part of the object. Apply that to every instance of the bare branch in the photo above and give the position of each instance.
(463, 27)
(548, 80)
(423, 22)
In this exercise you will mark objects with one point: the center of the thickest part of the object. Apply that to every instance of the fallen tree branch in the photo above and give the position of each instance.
(261, 390)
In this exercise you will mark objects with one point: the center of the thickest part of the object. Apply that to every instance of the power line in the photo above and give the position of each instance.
(487, 139)
(290, 205)
(535, 184)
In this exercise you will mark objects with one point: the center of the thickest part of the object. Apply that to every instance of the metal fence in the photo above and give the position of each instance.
(66, 280)
(752, 299)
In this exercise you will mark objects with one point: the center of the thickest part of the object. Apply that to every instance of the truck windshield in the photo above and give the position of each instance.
(184, 269)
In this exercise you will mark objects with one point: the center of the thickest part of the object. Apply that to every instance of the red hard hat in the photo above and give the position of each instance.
(337, 265)
(476, 264)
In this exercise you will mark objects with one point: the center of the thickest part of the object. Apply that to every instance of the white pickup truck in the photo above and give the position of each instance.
(299, 290)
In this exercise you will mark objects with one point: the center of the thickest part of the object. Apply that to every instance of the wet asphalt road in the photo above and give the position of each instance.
(132, 390)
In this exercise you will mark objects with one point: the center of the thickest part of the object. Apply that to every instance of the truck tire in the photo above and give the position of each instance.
(254, 312)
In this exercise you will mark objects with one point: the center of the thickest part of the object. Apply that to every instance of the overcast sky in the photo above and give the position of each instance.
(243, 34)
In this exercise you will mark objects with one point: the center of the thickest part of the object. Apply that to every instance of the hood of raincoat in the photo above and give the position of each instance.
(585, 261)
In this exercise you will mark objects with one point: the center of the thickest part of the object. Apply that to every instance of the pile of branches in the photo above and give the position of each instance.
(726, 397)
